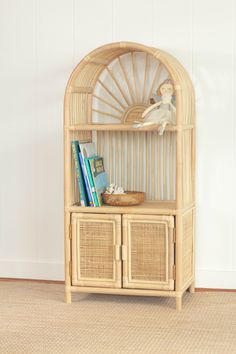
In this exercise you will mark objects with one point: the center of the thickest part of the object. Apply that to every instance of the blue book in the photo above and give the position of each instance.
(91, 182)
(90, 198)
(99, 176)
(79, 176)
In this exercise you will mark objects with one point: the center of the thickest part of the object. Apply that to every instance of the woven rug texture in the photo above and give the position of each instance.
(34, 319)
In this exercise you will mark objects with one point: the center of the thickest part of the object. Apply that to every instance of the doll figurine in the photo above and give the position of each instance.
(162, 112)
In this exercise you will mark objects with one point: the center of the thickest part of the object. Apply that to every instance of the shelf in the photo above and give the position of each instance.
(148, 207)
(123, 127)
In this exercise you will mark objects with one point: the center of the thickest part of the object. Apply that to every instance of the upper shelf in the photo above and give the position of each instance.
(124, 127)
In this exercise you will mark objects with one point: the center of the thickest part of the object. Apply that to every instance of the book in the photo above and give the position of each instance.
(99, 176)
(87, 149)
(79, 176)
(86, 182)
(91, 181)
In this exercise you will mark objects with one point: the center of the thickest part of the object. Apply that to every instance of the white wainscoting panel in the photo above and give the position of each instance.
(40, 43)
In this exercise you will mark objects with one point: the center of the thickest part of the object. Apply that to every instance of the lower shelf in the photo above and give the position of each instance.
(136, 292)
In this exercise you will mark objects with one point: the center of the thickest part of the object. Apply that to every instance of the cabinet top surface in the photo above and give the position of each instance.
(148, 207)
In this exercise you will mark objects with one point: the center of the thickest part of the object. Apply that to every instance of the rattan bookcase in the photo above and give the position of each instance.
(140, 250)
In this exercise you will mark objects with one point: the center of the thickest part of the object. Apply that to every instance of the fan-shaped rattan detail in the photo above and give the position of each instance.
(116, 76)
(125, 86)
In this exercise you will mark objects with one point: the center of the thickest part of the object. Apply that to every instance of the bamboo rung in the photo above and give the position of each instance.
(122, 127)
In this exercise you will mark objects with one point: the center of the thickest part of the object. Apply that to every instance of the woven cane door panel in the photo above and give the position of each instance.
(96, 243)
(148, 252)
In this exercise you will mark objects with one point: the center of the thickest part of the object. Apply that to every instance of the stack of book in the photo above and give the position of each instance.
(90, 174)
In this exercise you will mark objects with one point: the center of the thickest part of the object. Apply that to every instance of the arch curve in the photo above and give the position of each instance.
(83, 82)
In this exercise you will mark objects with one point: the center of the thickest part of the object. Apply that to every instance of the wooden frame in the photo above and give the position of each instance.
(97, 106)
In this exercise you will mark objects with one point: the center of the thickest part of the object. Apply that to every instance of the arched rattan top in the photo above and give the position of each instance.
(87, 72)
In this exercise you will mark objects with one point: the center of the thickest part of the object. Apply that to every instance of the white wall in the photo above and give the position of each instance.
(40, 42)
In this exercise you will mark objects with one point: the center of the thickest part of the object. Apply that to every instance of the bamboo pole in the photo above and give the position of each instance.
(160, 168)
(118, 85)
(122, 171)
(145, 76)
(99, 134)
(164, 165)
(106, 114)
(111, 156)
(89, 108)
(171, 162)
(134, 159)
(192, 286)
(121, 127)
(152, 169)
(179, 252)
(134, 75)
(110, 93)
(116, 159)
(156, 165)
(140, 162)
(155, 78)
(147, 165)
(126, 80)
(179, 154)
(107, 103)
(67, 255)
(120, 157)
(128, 160)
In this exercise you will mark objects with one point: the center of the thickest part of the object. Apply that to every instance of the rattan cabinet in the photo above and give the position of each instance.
(140, 250)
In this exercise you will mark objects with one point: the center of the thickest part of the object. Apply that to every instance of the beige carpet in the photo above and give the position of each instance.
(34, 319)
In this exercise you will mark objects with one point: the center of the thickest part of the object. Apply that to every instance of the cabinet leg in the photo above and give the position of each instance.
(191, 289)
(68, 297)
(178, 303)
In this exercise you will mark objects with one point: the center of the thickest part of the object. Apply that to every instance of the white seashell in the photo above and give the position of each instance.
(114, 189)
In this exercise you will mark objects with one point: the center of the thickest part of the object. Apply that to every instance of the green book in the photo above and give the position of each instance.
(79, 176)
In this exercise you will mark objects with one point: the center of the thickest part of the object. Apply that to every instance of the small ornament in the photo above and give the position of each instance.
(162, 112)
(114, 189)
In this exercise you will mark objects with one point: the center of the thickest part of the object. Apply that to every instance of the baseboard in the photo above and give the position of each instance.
(216, 279)
(11, 280)
(32, 270)
(208, 279)
(42, 281)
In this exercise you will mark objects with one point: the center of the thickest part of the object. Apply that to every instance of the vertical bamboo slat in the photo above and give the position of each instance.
(67, 255)
(147, 164)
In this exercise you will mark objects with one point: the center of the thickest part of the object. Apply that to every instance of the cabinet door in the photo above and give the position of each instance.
(96, 241)
(148, 252)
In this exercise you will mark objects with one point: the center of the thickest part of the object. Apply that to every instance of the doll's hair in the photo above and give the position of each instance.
(167, 81)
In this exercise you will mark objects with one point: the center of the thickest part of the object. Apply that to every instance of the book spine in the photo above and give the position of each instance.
(89, 193)
(92, 169)
(91, 182)
(83, 200)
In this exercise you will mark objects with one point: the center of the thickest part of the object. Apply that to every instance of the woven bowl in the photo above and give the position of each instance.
(127, 199)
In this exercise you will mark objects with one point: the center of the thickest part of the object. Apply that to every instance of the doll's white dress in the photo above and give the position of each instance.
(162, 115)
